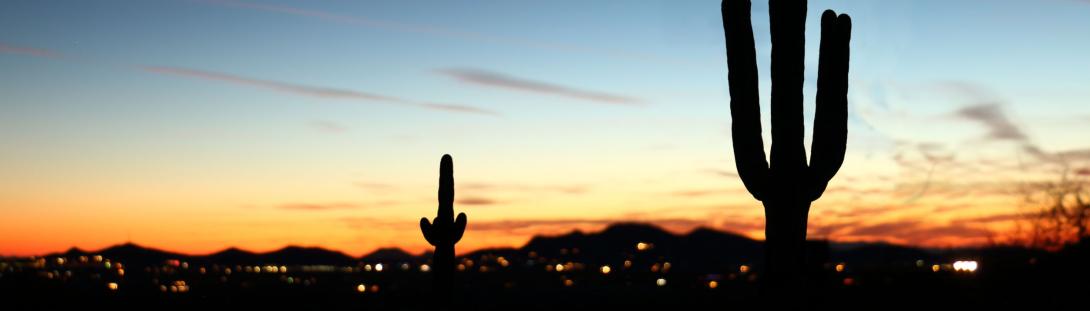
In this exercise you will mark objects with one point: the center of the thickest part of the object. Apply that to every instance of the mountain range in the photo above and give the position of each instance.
(702, 247)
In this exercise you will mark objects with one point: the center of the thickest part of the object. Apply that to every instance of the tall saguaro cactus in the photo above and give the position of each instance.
(789, 184)
(443, 232)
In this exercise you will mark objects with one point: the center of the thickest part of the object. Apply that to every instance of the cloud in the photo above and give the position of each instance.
(708, 192)
(319, 206)
(312, 91)
(476, 201)
(916, 232)
(564, 225)
(988, 112)
(1083, 171)
(724, 173)
(991, 116)
(498, 80)
(27, 51)
(373, 185)
(449, 32)
(508, 225)
(991, 218)
(328, 126)
(573, 189)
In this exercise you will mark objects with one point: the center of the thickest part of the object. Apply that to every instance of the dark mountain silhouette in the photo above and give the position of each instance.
(702, 249)
(133, 254)
(297, 255)
(390, 254)
(234, 255)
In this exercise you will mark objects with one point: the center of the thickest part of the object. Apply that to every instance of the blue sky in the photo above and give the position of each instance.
(177, 108)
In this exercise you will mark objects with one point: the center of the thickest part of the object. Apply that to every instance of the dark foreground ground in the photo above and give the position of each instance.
(561, 273)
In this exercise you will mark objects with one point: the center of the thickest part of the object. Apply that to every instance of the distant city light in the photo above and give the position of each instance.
(660, 282)
(112, 286)
(965, 265)
(405, 267)
(642, 246)
(849, 281)
(627, 264)
(605, 269)
(378, 267)
(743, 269)
(713, 284)
(425, 268)
(361, 288)
(936, 268)
(840, 267)
(569, 282)
(559, 268)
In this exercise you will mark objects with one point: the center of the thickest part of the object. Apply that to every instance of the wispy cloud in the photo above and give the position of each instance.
(28, 51)
(991, 116)
(721, 172)
(320, 206)
(503, 81)
(374, 185)
(312, 91)
(572, 189)
(476, 201)
(328, 126)
(916, 232)
(708, 192)
(450, 32)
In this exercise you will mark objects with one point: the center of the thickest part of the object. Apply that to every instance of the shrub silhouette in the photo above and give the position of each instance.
(788, 185)
(443, 232)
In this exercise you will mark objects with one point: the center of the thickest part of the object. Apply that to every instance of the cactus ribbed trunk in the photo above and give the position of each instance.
(443, 232)
(785, 183)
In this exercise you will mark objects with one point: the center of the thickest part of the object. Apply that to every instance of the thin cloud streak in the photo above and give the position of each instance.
(477, 201)
(312, 91)
(328, 126)
(448, 32)
(26, 51)
(498, 80)
(319, 206)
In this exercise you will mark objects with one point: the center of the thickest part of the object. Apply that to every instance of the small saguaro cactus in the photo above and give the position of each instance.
(789, 184)
(443, 232)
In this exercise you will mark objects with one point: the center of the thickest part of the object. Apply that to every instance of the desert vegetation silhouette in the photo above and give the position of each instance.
(443, 232)
(785, 183)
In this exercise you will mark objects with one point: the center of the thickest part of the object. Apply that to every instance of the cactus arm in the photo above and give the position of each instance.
(788, 29)
(426, 228)
(749, 154)
(831, 114)
(459, 228)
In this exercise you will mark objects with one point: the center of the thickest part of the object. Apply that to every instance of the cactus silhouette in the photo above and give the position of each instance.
(443, 232)
(789, 184)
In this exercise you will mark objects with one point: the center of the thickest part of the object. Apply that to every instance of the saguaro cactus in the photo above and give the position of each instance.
(788, 185)
(443, 232)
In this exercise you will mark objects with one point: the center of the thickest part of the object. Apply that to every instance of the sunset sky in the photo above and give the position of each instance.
(193, 126)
